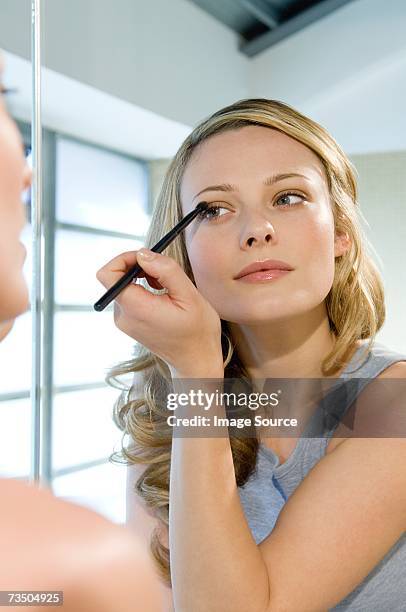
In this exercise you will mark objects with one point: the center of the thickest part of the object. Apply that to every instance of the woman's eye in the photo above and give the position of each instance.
(209, 212)
(6, 90)
(286, 201)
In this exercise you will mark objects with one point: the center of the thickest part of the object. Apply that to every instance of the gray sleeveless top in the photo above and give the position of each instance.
(266, 491)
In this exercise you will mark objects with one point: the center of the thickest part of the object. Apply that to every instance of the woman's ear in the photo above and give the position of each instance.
(342, 244)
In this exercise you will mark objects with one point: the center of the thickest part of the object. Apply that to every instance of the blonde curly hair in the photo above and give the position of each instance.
(355, 303)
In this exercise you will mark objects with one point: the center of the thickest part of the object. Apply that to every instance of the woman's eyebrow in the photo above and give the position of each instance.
(268, 181)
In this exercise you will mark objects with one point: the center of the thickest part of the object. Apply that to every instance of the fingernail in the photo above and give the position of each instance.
(146, 253)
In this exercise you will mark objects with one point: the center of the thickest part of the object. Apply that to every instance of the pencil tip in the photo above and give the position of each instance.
(201, 206)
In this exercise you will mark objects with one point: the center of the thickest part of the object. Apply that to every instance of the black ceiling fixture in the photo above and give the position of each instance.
(263, 23)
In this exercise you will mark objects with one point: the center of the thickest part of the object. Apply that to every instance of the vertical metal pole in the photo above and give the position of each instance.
(48, 206)
(36, 220)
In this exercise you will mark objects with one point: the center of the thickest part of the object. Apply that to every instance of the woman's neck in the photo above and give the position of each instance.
(290, 348)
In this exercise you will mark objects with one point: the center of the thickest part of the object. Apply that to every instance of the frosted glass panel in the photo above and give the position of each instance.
(102, 488)
(78, 257)
(87, 344)
(15, 356)
(83, 427)
(100, 189)
(15, 438)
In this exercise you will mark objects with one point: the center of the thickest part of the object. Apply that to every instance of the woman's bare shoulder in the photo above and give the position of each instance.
(67, 546)
(43, 517)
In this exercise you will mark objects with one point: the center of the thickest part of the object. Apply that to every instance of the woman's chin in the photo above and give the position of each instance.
(257, 319)
(265, 311)
(5, 328)
(14, 304)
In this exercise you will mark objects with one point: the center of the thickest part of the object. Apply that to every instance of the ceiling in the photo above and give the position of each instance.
(263, 23)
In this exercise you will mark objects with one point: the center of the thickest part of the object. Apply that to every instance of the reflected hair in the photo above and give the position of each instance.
(355, 305)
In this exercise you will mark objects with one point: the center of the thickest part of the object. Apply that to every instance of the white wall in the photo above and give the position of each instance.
(15, 26)
(347, 71)
(127, 74)
(169, 57)
(382, 197)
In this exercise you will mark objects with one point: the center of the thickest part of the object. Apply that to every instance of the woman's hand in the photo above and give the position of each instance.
(180, 326)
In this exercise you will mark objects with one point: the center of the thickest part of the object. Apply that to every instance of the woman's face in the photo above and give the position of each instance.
(15, 176)
(255, 223)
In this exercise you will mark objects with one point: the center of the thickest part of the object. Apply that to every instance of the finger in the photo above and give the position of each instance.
(134, 293)
(113, 270)
(152, 282)
(168, 273)
(118, 266)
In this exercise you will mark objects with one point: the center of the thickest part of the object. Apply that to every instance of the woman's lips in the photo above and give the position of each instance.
(263, 275)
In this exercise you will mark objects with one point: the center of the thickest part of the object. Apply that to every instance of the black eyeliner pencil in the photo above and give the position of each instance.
(127, 278)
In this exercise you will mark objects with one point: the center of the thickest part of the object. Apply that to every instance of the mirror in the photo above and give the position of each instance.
(123, 84)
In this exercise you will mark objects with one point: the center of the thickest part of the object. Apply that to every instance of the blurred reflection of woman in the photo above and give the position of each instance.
(299, 525)
(48, 544)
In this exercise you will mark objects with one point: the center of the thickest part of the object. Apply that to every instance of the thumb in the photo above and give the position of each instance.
(167, 272)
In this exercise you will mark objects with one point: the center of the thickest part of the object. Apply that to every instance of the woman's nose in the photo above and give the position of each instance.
(260, 233)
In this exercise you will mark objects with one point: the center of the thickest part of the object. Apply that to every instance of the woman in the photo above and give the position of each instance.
(262, 524)
(50, 544)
